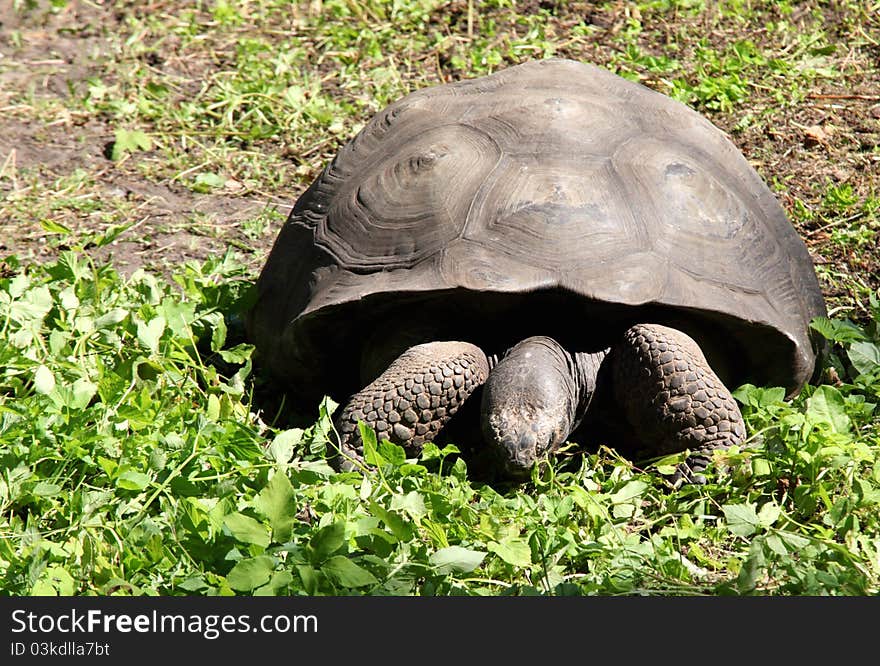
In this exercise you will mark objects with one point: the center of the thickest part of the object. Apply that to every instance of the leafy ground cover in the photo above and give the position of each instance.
(148, 153)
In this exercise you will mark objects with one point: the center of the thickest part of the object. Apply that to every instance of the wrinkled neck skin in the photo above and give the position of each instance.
(585, 370)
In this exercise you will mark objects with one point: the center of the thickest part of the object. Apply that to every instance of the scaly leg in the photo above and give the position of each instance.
(672, 398)
(412, 400)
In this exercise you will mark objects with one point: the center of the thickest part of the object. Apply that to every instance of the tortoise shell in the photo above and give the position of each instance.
(550, 198)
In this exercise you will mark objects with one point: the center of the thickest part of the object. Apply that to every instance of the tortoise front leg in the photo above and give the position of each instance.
(672, 398)
(412, 400)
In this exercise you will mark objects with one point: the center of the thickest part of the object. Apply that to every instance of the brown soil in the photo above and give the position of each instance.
(57, 52)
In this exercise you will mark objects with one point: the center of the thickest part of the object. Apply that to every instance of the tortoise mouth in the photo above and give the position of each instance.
(515, 471)
(518, 454)
(515, 459)
(516, 464)
(517, 446)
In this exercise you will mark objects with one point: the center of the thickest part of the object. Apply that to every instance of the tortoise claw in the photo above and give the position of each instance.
(690, 471)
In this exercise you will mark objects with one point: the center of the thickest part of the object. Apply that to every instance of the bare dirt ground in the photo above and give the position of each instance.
(57, 53)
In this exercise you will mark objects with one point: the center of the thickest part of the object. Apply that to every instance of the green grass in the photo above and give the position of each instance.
(134, 463)
(134, 458)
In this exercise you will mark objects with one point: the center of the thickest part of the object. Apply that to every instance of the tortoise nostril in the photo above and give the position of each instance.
(518, 449)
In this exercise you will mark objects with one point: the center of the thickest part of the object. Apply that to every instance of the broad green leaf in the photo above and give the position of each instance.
(295, 96)
(324, 426)
(251, 573)
(83, 391)
(338, 492)
(513, 551)
(32, 306)
(392, 453)
(131, 479)
(84, 324)
(109, 235)
(775, 543)
(327, 541)
(629, 492)
(246, 529)
(238, 354)
(58, 342)
(18, 284)
(193, 584)
(751, 569)
(44, 380)
(412, 503)
(110, 318)
(43, 588)
(400, 527)
(837, 330)
(141, 140)
(209, 180)
(769, 514)
(218, 335)
(625, 510)
(346, 573)
(794, 541)
(459, 469)
(178, 316)
(432, 452)
(455, 559)
(109, 466)
(281, 449)
(755, 396)
(69, 299)
(277, 501)
(277, 584)
(742, 519)
(366, 489)
(865, 357)
(46, 489)
(53, 227)
(309, 577)
(213, 407)
(761, 467)
(149, 333)
(827, 405)
(54, 581)
(563, 508)
(372, 455)
(129, 141)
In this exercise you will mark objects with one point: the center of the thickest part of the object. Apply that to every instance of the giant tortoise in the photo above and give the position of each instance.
(609, 246)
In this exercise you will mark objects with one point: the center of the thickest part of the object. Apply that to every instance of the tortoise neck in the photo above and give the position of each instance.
(585, 372)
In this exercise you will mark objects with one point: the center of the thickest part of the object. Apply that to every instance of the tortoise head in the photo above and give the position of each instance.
(529, 404)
